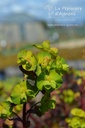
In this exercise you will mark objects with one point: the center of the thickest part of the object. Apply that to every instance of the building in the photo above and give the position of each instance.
(21, 27)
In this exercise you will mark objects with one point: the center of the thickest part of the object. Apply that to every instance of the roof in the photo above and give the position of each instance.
(18, 18)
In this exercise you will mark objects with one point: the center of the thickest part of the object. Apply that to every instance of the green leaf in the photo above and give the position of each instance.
(55, 76)
(44, 59)
(38, 70)
(32, 91)
(46, 97)
(61, 65)
(53, 51)
(44, 103)
(17, 108)
(38, 46)
(52, 104)
(46, 45)
(5, 109)
(40, 85)
(47, 86)
(20, 57)
(30, 64)
(49, 80)
(78, 112)
(47, 104)
(18, 95)
(74, 122)
(68, 96)
(27, 60)
(65, 67)
(23, 92)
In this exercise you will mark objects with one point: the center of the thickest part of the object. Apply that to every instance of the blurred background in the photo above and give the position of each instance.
(26, 22)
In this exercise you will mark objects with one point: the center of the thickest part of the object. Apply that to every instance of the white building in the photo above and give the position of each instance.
(21, 27)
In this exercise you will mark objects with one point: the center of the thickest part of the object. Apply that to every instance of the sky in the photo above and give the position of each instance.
(49, 10)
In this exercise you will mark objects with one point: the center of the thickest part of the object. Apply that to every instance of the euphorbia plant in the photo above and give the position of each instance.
(77, 119)
(45, 71)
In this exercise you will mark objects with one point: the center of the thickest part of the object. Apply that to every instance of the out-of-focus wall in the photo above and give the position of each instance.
(9, 32)
(35, 32)
(17, 29)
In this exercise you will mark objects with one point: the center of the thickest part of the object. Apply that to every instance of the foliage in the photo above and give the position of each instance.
(7, 85)
(45, 70)
(70, 109)
(78, 118)
(68, 96)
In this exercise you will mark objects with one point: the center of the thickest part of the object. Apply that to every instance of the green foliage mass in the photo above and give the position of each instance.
(78, 118)
(44, 69)
(7, 85)
(68, 96)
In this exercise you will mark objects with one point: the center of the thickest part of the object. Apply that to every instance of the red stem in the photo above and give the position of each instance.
(24, 115)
